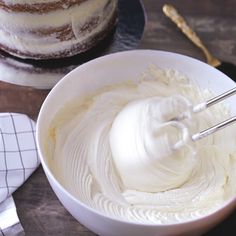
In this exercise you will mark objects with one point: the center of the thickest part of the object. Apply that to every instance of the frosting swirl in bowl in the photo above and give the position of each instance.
(82, 161)
(142, 140)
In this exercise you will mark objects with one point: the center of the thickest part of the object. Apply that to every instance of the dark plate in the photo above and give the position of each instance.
(229, 69)
(45, 74)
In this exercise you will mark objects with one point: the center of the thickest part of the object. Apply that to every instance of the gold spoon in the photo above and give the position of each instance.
(226, 67)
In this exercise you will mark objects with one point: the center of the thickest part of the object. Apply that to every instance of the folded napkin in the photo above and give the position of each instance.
(18, 160)
(9, 221)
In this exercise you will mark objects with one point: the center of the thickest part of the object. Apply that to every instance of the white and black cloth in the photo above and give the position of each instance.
(18, 160)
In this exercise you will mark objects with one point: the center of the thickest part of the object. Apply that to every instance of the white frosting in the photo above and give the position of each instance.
(142, 145)
(81, 159)
(15, 28)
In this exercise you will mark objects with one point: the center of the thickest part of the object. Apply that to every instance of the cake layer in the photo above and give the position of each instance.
(57, 33)
(37, 6)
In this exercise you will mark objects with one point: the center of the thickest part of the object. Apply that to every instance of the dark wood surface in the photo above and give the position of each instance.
(39, 210)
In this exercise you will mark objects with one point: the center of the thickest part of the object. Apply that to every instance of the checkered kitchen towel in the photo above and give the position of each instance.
(18, 159)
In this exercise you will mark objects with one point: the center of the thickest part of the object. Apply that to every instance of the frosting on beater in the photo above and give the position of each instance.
(142, 143)
(84, 153)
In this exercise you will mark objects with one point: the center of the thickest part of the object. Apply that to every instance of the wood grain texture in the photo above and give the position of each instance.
(214, 20)
(21, 99)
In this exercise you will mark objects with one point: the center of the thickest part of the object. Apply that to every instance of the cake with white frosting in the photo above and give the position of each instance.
(45, 29)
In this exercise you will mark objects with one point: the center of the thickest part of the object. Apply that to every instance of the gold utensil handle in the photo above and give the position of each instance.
(173, 14)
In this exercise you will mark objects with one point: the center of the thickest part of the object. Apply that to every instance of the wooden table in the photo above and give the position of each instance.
(39, 209)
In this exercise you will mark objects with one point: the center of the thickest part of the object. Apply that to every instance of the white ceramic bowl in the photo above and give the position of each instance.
(113, 69)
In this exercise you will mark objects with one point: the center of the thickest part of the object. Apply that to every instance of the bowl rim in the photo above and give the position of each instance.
(231, 202)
